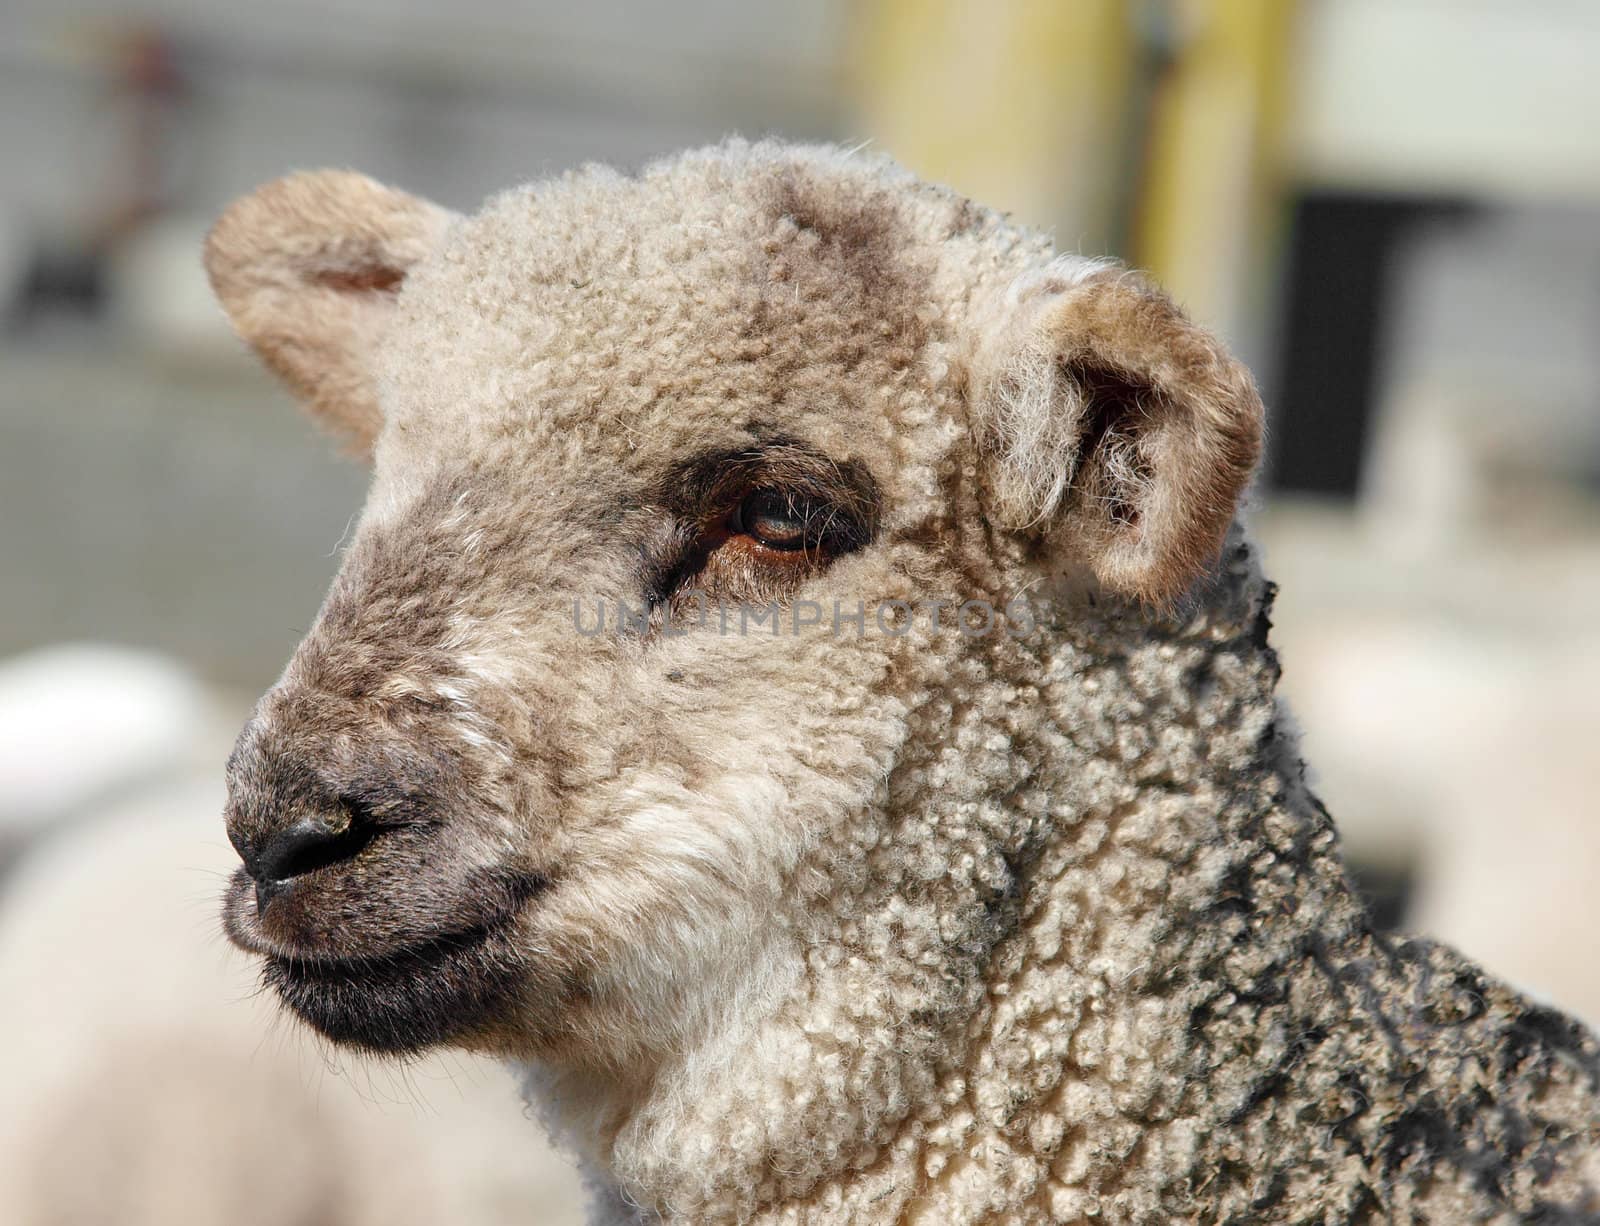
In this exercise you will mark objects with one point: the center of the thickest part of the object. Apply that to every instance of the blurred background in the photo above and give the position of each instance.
(1391, 208)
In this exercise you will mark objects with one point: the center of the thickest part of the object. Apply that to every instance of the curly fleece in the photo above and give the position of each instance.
(877, 925)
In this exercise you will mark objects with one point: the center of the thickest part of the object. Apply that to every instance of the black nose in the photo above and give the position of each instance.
(295, 850)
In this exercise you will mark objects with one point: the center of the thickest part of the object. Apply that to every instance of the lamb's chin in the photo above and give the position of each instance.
(402, 1003)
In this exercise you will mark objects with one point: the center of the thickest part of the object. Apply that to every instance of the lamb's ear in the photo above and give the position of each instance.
(1112, 426)
(307, 269)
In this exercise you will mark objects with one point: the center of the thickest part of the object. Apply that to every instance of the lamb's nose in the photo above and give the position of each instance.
(295, 850)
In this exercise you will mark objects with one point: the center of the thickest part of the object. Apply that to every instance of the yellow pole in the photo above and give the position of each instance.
(1043, 108)
(1016, 103)
(1204, 218)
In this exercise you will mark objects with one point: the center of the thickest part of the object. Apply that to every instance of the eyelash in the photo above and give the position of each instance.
(784, 522)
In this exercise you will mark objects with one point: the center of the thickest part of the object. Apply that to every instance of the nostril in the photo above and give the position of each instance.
(298, 849)
(304, 847)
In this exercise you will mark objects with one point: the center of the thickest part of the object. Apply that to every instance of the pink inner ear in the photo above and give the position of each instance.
(372, 278)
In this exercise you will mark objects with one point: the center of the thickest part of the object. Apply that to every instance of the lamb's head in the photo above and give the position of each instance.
(751, 378)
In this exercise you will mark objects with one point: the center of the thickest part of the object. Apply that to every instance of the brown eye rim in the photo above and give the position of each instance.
(714, 499)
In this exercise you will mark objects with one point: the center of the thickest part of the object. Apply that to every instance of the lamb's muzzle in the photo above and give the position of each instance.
(373, 924)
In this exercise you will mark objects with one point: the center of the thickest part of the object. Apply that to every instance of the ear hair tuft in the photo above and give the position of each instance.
(1115, 405)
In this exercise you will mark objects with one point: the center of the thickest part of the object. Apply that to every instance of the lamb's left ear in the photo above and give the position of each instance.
(1112, 426)
(307, 268)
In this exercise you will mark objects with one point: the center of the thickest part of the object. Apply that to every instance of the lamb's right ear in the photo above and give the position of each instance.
(1111, 426)
(307, 269)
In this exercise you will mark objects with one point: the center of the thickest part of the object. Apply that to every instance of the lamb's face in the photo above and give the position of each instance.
(634, 651)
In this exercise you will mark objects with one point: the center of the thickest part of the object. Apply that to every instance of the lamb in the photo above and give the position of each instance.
(930, 846)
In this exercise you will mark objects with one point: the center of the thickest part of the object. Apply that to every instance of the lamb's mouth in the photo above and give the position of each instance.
(402, 1000)
(407, 1000)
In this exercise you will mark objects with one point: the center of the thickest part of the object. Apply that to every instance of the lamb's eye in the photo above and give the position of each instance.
(773, 519)
(754, 526)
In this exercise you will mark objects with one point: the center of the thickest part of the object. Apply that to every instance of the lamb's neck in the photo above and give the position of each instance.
(1083, 1070)
(1159, 855)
